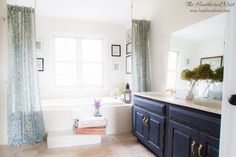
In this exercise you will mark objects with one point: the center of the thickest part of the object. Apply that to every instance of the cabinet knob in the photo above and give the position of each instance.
(232, 100)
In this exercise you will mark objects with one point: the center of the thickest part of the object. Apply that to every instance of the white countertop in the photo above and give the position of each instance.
(207, 106)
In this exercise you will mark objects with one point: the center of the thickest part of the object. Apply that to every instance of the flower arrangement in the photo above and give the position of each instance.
(202, 72)
(97, 105)
(217, 76)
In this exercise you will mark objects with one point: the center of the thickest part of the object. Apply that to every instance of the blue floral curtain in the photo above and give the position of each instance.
(141, 77)
(25, 118)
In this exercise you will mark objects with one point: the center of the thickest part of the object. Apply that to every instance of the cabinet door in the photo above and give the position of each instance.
(139, 129)
(210, 146)
(182, 141)
(155, 133)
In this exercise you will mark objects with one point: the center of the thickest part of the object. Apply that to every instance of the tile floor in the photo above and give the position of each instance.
(123, 145)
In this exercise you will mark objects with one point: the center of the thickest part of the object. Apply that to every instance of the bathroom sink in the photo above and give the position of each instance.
(208, 103)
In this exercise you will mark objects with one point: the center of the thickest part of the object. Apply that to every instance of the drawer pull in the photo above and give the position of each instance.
(200, 150)
(144, 119)
(192, 147)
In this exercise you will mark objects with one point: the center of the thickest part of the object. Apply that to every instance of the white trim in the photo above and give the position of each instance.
(102, 62)
(54, 63)
(228, 125)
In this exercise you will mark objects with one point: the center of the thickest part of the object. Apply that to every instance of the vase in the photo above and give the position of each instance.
(97, 113)
(190, 95)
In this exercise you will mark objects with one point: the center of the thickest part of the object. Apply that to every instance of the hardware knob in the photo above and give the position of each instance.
(232, 100)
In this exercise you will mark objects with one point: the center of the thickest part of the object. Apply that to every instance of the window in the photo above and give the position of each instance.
(172, 69)
(92, 65)
(65, 62)
(78, 62)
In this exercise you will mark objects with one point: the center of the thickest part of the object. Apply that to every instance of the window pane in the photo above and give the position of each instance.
(92, 74)
(65, 49)
(91, 49)
(171, 79)
(172, 60)
(66, 74)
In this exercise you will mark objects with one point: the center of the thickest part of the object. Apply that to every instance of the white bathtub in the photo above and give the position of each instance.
(57, 113)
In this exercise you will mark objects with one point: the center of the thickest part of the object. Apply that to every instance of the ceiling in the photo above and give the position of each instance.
(106, 11)
(210, 28)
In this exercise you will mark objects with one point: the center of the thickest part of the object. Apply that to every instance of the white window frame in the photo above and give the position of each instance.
(79, 86)
(82, 62)
(176, 69)
(54, 62)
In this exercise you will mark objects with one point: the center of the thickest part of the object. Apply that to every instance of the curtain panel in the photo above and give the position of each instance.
(141, 77)
(25, 118)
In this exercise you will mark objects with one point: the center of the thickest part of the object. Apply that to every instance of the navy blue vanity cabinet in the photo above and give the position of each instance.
(210, 146)
(148, 123)
(182, 140)
(192, 133)
(171, 130)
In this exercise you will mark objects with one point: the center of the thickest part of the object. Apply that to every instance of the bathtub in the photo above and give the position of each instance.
(57, 113)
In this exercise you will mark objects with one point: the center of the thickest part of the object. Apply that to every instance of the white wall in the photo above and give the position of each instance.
(211, 47)
(3, 73)
(114, 34)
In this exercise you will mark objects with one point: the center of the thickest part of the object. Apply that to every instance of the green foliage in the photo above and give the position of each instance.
(218, 75)
(187, 75)
(202, 72)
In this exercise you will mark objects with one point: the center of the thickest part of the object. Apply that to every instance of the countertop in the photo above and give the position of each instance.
(208, 106)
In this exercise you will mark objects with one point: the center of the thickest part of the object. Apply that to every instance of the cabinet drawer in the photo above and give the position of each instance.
(150, 105)
(194, 119)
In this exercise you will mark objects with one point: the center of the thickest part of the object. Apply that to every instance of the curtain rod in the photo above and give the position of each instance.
(31, 4)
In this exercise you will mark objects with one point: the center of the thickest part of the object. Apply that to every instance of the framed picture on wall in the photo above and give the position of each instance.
(40, 64)
(129, 48)
(116, 66)
(128, 64)
(215, 62)
(115, 50)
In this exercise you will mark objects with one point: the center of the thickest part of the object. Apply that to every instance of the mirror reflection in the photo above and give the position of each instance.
(199, 44)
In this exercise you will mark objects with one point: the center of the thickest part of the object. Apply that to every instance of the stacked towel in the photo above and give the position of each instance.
(88, 124)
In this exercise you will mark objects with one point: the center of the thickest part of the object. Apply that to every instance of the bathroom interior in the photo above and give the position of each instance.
(116, 78)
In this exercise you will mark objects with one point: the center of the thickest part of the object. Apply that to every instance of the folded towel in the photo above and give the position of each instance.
(90, 123)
